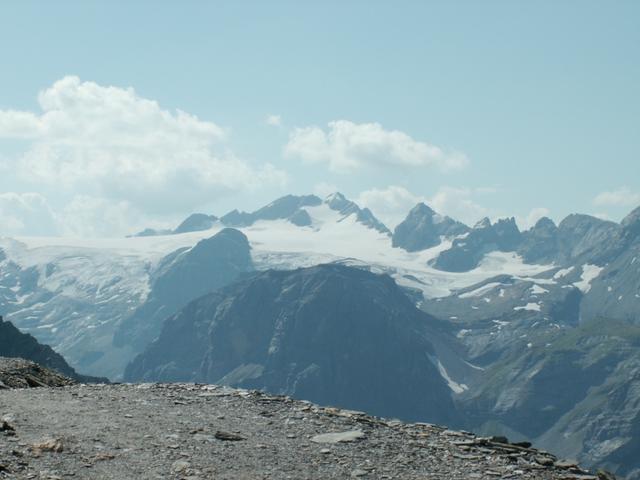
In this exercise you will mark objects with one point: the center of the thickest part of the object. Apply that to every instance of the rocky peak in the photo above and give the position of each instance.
(630, 224)
(545, 224)
(540, 243)
(325, 333)
(508, 234)
(484, 223)
(196, 222)
(338, 202)
(285, 208)
(423, 228)
(182, 276)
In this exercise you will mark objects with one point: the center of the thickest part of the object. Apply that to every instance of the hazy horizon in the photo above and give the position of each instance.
(115, 119)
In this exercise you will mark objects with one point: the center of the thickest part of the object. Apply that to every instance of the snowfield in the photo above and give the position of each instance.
(72, 293)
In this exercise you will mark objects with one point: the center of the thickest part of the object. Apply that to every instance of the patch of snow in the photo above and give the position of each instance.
(462, 333)
(589, 273)
(563, 272)
(484, 289)
(474, 366)
(454, 386)
(538, 290)
(533, 307)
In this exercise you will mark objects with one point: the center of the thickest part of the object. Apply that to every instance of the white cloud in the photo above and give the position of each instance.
(347, 146)
(274, 120)
(26, 214)
(111, 143)
(620, 197)
(524, 223)
(390, 204)
(459, 203)
(87, 216)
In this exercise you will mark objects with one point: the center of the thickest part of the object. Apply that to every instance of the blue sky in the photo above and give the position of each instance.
(541, 100)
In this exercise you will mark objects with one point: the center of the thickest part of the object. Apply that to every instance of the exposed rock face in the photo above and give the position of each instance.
(193, 223)
(339, 203)
(423, 228)
(206, 431)
(466, 253)
(292, 208)
(540, 244)
(21, 373)
(14, 343)
(331, 334)
(196, 222)
(282, 208)
(183, 276)
(615, 292)
(588, 239)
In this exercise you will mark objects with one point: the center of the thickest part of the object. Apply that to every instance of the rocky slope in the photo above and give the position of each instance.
(204, 431)
(15, 344)
(182, 276)
(424, 228)
(21, 373)
(332, 334)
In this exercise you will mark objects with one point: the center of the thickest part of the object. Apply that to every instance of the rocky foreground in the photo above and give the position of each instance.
(187, 431)
(19, 373)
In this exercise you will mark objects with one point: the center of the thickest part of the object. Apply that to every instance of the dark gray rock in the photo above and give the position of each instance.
(540, 244)
(15, 344)
(423, 228)
(466, 253)
(331, 334)
(282, 208)
(301, 218)
(183, 276)
(196, 222)
(346, 207)
(21, 373)
(587, 239)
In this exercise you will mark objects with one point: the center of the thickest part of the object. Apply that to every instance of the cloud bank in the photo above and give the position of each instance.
(112, 145)
(346, 147)
(620, 197)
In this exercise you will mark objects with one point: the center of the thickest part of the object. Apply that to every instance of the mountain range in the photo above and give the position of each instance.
(532, 334)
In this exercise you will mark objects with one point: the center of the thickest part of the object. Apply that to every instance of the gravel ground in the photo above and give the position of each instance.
(186, 431)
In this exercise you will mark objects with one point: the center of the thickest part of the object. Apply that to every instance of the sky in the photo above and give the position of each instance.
(116, 116)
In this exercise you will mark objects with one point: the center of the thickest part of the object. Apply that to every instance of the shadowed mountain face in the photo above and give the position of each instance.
(14, 343)
(466, 253)
(423, 228)
(195, 223)
(182, 276)
(331, 334)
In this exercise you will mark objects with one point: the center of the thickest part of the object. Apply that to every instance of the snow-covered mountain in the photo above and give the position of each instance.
(75, 293)
(512, 299)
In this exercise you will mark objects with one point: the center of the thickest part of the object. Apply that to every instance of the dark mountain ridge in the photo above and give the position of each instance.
(15, 344)
(332, 334)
